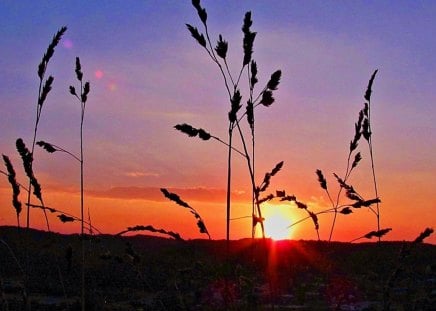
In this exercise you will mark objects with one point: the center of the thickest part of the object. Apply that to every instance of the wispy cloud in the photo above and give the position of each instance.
(154, 194)
(142, 174)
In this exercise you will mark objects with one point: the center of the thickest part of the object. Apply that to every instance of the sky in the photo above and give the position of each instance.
(148, 74)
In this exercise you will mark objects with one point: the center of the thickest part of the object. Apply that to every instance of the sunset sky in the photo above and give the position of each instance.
(147, 74)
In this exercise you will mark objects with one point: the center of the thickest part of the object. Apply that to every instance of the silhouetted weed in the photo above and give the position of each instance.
(218, 55)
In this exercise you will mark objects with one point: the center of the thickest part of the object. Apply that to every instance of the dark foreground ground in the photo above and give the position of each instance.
(149, 273)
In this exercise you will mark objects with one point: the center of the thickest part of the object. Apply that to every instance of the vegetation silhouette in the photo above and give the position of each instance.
(218, 55)
(166, 274)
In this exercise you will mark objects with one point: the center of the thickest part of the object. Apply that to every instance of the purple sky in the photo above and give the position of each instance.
(147, 74)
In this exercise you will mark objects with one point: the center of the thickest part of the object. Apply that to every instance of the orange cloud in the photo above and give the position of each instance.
(154, 194)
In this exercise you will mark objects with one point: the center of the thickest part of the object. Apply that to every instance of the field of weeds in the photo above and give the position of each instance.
(151, 273)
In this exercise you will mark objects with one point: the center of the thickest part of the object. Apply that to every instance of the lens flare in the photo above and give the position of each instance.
(67, 43)
(112, 87)
(99, 74)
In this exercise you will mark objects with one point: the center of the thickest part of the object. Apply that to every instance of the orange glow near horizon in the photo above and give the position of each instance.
(112, 215)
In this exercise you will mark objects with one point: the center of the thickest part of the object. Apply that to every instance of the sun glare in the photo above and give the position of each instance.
(276, 223)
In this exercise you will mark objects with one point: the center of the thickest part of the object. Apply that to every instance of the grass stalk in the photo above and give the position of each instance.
(82, 98)
(218, 56)
(252, 180)
(228, 189)
(43, 90)
(368, 136)
(374, 178)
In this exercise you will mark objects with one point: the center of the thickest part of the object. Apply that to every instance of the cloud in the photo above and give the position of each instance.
(142, 174)
(154, 194)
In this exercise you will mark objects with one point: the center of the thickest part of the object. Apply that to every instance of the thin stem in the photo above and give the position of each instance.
(373, 166)
(333, 223)
(66, 214)
(82, 227)
(253, 196)
(335, 206)
(90, 223)
(228, 72)
(228, 198)
(215, 60)
(330, 210)
(46, 217)
(223, 142)
(242, 217)
(35, 129)
(66, 151)
(253, 182)
(239, 76)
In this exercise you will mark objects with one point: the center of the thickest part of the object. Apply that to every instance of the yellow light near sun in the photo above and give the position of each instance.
(277, 220)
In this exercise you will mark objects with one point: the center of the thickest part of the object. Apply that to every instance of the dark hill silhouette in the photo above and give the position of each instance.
(160, 273)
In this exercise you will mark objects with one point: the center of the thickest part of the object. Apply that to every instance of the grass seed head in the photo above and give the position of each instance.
(274, 81)
(14, 184)
(50, 51)
(47, 146)
(248, 40)
(203, 134)
(27, 159)
(267, 98)
(277, 168)
(269, 197)
(346, 211)
(366, 131)
(321, 179)
(201, 11)
(65, 218)
(175, 198)
(86, 89)
(78, 70)
(221, 47)
(250, 114)
(425, 234)
(151, 229)
(253, 69)
(236, 105)
(357, 159)
(187, 129)
(366, 110)
(314, 218)
(369, 88)
(45, 90)
(280, 193)
(378, 233)
(301, 205)
(197, 35)
(290, 198)
(73, 90)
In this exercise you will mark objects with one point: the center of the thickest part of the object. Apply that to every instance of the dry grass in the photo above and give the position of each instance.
(236, 286)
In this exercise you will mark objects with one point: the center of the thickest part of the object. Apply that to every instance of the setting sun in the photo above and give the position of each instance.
(276, 223)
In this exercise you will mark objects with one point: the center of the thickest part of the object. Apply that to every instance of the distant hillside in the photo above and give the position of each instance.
(154, 273)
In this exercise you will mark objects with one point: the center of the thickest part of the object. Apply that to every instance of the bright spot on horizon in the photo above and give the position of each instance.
(99, 74)
(67, 43)
(276, 223)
